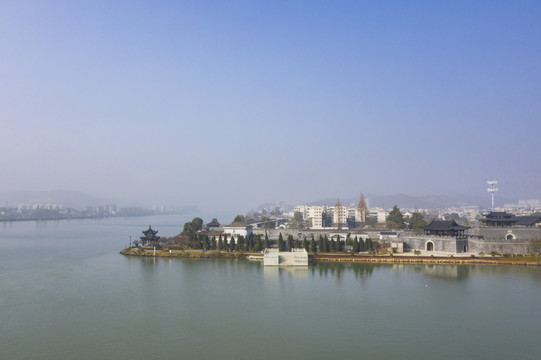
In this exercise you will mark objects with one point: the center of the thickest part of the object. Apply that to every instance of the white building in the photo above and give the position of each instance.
(315, 213)
(379, 214)
(340, 215)
(236, 229)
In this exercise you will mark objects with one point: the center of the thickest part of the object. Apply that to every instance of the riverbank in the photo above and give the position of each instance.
(176, 253)
(404, 259)
(332, 257)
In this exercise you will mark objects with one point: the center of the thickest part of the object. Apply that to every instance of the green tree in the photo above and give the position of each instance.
(313, 245)
(220, 243)
(338, 245)
(213, 243)
(266, 243)
(257, 243)
(395, 220)
(240, 242)
(192, 227)
(281, 244)
(290, 242)
(205, 244)
(417, 222)
(355, 245)
(326, 244)
(368, 244)
(298, 221)
(239, 218)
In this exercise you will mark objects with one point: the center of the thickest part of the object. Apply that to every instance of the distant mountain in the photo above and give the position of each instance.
(70, 199)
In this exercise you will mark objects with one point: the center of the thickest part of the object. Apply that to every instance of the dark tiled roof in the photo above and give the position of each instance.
(527, 220)
(498, 215)
(213, 224)
(505, 219)
(238, 224)
(444, 225)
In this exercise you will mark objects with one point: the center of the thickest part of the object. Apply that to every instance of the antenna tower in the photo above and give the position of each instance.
(492, 189)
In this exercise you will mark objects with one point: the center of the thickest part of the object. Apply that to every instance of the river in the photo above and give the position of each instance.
(66, 293)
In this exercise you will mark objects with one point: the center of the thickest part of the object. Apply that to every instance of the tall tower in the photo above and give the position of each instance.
(492, 189)
(362, 209)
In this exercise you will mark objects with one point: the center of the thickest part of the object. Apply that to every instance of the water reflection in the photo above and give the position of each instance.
(338, 269)
(447, 272)
(279, 271)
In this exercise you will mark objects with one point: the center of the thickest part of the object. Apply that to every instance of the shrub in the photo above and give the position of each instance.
(417, 252)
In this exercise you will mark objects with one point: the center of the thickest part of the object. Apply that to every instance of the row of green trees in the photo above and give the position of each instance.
(203, 241)
(257, 243)
(200, 240)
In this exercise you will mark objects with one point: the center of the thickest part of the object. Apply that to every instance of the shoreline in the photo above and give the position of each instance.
(328, 257)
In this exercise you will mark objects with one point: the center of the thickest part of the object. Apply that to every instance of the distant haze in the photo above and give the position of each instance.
(227, 105)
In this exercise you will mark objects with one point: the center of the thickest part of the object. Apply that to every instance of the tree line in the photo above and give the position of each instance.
(193, 238)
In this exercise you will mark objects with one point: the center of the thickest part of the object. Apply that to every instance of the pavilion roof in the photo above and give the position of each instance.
(444, 225)
(238, 224)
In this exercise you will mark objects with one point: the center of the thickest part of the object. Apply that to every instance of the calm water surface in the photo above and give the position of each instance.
(66, 293)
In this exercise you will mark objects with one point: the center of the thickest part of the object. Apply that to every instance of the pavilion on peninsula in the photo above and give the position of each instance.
(150, 238)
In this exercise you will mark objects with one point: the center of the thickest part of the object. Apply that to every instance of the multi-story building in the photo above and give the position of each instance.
(340, 215)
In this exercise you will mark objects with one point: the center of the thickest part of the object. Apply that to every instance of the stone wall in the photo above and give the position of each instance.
(512, 240)
(440, 243)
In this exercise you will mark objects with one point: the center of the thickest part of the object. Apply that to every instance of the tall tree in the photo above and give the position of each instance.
(355, 244)
(290, 242)
(326, 243)
(417, 222)
(395, 220)
(281, 244)
(368, 244)
(192, 227)
(257, 243)
(313, 245)
(266, 243)
(220, 243)
(239, 218)
(321, 244)
(298, 221)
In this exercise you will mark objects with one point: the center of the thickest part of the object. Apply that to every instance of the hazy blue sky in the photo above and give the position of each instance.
(233, 103)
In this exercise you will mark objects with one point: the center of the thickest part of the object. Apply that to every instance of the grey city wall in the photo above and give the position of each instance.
(440, 243)
(512, 240)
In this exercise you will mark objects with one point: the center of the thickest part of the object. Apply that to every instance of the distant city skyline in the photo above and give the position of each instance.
(226, 105)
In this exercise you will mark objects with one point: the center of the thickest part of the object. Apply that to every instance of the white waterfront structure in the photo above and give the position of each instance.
(274, 257)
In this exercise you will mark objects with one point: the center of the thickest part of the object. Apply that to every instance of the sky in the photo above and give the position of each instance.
(229, 104)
